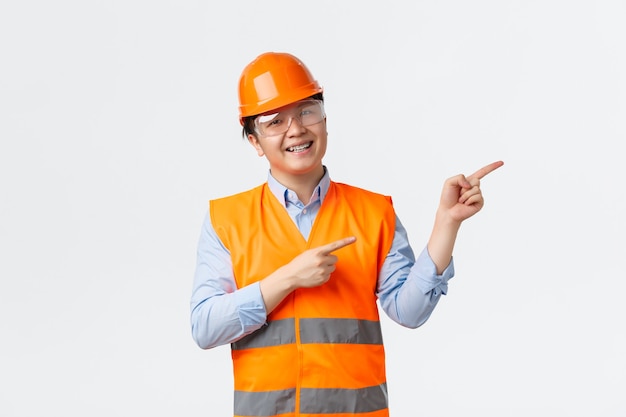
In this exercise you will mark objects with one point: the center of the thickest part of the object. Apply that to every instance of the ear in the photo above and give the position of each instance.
(254, 141)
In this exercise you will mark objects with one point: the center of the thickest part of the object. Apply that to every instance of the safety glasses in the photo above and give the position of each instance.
(304, 112)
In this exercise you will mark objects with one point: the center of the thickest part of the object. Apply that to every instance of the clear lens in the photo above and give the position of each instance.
(306, 112)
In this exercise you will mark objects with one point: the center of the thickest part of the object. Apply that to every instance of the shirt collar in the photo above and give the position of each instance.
(280, 191)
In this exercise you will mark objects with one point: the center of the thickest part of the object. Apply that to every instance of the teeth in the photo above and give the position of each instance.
(299, 148)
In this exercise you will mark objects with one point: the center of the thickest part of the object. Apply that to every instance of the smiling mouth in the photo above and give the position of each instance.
(300, 148)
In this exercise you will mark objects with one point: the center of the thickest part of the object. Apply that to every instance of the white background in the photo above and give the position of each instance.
(118, 122)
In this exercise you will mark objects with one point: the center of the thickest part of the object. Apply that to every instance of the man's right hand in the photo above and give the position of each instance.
(313, 267)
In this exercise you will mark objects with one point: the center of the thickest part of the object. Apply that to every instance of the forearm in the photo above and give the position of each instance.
(442, 240)
(226, 317)
(410, 294)
(274, 288)
(409, 288)
(411, 308)
(220, 317)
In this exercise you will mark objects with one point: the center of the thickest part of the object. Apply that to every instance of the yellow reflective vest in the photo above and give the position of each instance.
(321, 350)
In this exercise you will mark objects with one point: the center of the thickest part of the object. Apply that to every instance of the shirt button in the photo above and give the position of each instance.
(304, 211)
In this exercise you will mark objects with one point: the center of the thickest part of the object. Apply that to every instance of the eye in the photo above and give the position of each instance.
(270, 119)
(308, 111)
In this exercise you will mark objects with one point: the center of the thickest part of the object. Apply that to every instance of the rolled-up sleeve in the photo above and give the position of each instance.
(408, 288)
(425, 272)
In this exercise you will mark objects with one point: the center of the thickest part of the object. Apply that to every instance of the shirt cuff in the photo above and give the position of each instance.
(425, 271)
(250, 307)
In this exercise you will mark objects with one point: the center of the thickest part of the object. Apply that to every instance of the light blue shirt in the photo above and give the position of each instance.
(408, 289)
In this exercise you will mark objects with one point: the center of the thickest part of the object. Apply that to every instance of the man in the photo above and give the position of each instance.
(289, 272)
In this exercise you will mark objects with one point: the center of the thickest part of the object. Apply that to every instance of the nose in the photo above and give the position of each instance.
(295, 127)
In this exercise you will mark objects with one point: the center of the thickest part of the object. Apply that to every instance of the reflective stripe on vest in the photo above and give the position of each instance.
(313, 401)
(265, 403)
(280, 332)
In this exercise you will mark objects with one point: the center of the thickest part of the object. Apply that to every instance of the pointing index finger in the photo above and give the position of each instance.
(486, 170)
(338, 244)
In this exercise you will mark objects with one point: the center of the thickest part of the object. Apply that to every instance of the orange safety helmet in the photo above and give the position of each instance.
(274, 80)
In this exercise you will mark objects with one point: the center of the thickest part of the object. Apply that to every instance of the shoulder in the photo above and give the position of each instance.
(352, 191)
(242, 195)
(226, 208)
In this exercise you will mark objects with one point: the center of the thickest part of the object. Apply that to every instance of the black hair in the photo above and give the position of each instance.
(248, 122)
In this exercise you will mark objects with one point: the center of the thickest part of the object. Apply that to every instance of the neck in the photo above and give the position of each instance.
(303, 185)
